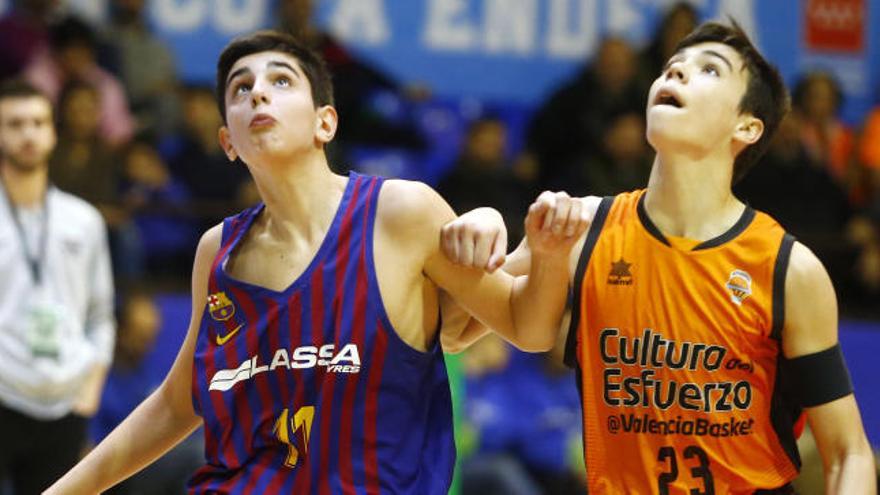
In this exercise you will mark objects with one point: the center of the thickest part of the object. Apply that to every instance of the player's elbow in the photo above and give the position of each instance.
(452, 345)
(534, 344)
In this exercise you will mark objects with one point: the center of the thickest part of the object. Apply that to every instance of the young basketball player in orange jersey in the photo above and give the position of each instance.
(700, 330)
(312, 357)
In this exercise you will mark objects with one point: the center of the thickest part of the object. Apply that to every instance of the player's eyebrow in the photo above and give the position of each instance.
(237, 73)
(713, 53)
(285, 65)
(272, 63)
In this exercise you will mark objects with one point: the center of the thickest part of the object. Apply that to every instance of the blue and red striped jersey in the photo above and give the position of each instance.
(311, 390)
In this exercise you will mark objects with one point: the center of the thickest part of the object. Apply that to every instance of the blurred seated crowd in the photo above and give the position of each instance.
(141, 145)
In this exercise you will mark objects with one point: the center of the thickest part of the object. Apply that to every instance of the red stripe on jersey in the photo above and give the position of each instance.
(279, 478)
(237, 226)
(317, 314)
(327, 393)
(275, 344)
(360, 302)
(231, 350)
(254, 475)
(265, 418)
(371, 455)
(228, 457)
(294, 314)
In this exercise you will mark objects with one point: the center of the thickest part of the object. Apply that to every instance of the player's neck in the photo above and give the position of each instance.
(25, 187)
(301, 198)
(691, 198)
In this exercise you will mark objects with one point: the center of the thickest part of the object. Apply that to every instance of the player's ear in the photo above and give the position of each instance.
(749, 130)
(326, 121)
(226, 143)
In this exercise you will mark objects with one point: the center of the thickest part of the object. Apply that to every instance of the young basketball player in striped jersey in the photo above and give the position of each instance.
(700, 330)
(312, 358)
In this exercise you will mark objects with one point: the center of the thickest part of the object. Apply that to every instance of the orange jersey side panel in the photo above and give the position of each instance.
(677, 360)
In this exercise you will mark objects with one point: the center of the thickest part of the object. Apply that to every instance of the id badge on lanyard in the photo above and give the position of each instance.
(43, 324)
(43, 320)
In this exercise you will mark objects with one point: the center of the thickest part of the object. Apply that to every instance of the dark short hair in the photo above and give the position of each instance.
(19, 88)
(264, 41)
(72, 30)
(766, 96)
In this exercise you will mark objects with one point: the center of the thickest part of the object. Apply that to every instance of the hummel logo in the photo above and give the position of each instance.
(620, 274)
(222, 340)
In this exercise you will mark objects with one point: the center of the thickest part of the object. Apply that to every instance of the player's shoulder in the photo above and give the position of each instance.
(805, 269)
(206, 252)
(406, 204)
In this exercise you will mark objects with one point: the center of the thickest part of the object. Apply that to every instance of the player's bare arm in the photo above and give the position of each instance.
(413, 216)
(164, 419)
(472, 240)
(810, 333)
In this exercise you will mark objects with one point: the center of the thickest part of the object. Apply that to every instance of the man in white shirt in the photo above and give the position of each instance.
(56, 302)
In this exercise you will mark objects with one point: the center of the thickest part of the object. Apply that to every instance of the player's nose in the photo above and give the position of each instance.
(677, 70)
(259, 95)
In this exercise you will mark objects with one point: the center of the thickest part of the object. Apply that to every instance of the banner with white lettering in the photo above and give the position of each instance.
(519, 50)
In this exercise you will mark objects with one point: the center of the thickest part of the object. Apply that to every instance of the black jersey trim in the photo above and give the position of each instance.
(647, 223)
(748, 215)
(785, 410)
(589, 243)
(779, 271)
(744, 221)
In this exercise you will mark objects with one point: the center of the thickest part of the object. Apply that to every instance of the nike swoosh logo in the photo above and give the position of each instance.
(224, 339)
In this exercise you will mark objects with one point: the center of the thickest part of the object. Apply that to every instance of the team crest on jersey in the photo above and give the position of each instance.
(220, 307)
(740, 286)
(620, 274)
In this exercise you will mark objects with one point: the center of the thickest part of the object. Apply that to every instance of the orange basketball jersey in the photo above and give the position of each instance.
(677, 345)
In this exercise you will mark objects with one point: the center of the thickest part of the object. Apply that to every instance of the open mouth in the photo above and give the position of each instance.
(667, 98)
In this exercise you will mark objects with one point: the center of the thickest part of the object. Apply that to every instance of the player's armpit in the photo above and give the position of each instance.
(458, 330)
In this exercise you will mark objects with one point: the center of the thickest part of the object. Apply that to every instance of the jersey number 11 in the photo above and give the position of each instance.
(287, 429)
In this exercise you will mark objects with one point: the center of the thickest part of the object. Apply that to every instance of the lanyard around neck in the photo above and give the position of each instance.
(35, 260)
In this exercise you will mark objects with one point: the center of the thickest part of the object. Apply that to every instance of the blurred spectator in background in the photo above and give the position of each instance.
(369, 99)
(570, 126)
(56, 302)
(484, 176)
(213, 183)
(525, 419)
(799, 191)
(159, 205)
(84, 165)
(145, 67)
(24, 33)
(817, 99)
(802, 195)
(73, 57)
(864, 231)
(623, 160)
(869, 153)
(132, 378)
(678, 21)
